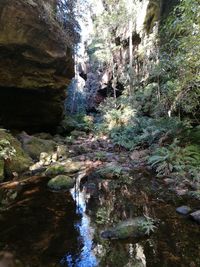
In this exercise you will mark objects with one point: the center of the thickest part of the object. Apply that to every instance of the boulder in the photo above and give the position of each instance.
(196, 216)
(61, 182)
(36, 65)
(20, 162)
(34, 146)
(64, 168)
(125, 229)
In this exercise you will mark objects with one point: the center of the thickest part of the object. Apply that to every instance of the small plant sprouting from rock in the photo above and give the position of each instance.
(148, 226)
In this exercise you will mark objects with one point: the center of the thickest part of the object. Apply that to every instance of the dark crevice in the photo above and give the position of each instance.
(32, 110)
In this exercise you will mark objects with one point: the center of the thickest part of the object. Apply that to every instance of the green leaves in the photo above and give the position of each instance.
(174, 158)
(180, 58)
(148, 225)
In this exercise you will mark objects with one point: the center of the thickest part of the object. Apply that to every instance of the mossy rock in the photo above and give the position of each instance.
(34, 146)
(55, 170)
(68, 167)
(126, 229)
(61, 182)
(18, 163)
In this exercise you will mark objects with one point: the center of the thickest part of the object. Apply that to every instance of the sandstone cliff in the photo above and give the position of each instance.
(36, 65)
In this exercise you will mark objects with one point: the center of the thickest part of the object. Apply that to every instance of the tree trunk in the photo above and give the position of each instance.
(131, 56)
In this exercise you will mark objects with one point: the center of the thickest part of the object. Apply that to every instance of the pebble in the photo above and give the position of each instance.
(184, 210)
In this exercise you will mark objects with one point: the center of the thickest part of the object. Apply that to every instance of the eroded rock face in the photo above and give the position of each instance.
(36, 65)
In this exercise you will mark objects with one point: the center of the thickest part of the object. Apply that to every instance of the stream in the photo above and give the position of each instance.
(44, 228)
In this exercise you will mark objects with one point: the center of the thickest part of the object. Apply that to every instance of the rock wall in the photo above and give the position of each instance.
(36, 65)
(148, 15)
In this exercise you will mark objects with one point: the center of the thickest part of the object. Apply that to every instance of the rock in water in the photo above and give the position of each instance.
(196, 216)
(184, 210)
(61, 182)
(36, 65)
(129, 228)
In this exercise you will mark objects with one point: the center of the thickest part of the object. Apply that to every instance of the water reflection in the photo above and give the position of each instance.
(86, 258)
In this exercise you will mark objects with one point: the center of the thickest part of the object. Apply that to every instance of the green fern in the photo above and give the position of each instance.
(148, 225)
(174, 158)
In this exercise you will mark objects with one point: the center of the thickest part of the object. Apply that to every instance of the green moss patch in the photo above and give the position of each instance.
(61, 182)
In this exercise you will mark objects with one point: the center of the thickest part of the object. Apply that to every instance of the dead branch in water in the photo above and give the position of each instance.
(23, 182)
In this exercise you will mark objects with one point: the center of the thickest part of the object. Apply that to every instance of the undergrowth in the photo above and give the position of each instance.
(173, 144)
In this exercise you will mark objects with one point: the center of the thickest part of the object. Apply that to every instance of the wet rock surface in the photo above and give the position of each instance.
(196, 216)
(184, 210)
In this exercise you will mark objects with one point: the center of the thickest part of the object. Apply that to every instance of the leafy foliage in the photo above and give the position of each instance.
(175, 159)
(112, 20)
(127, 128)
(179, 60)
(148, 225)
(113, 170)
(62, 14)
(195, 194)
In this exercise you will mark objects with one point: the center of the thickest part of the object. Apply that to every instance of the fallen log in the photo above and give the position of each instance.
(23, 182)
